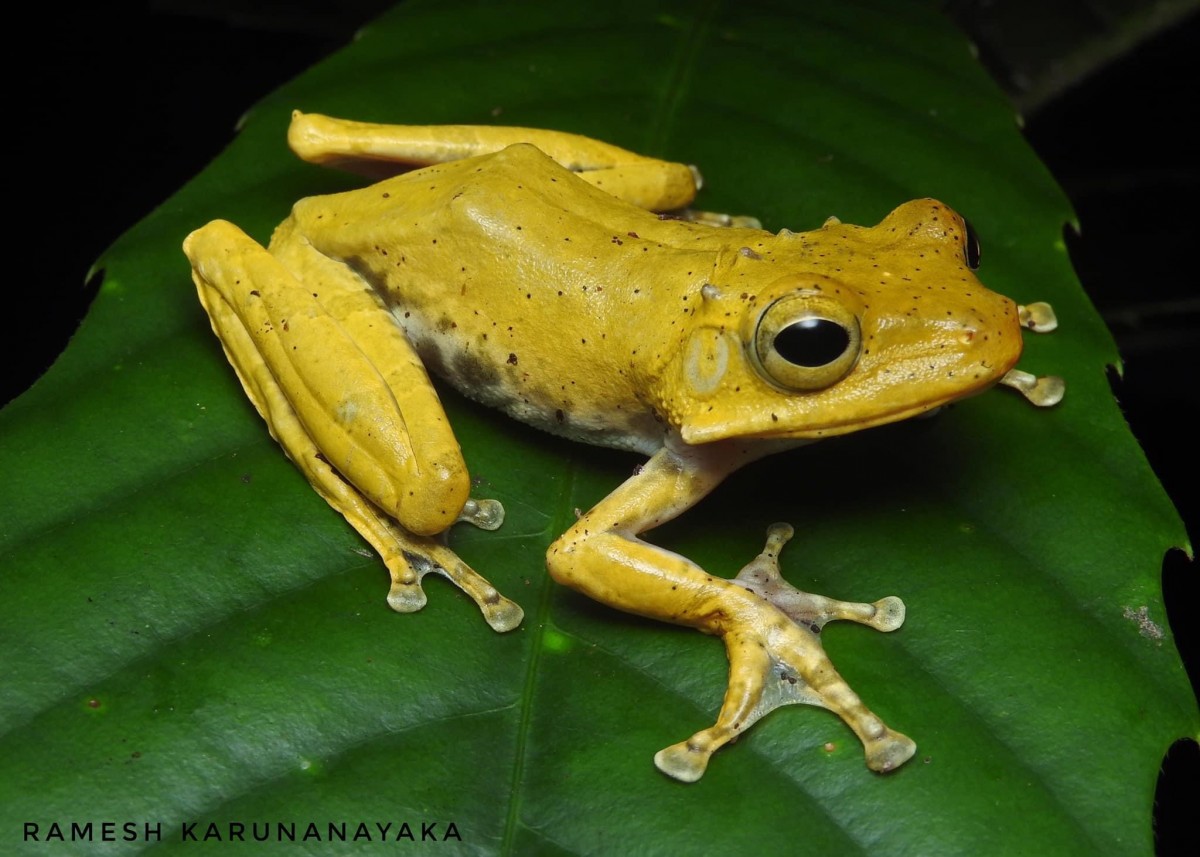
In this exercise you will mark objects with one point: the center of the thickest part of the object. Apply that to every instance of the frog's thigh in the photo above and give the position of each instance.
(296, 361)
(345, 368)
(377, 150)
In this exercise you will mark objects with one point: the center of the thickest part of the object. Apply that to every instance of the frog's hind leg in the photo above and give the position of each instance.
(760, 682)
(408, 557)
(378, 151)
(342, 391)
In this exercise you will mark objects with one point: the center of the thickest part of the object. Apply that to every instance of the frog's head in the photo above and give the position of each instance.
(851, 327)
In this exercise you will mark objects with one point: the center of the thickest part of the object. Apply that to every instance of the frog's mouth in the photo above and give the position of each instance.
(1042, 391)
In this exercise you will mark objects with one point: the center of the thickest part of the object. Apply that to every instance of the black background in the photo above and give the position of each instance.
(127, 106)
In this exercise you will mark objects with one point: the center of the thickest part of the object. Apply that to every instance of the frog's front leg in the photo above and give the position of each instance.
(770, 630)
(346, 396)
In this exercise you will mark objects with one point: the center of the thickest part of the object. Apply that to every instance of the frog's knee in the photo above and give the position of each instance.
(426, 505)
(431, 511)
(212, 236)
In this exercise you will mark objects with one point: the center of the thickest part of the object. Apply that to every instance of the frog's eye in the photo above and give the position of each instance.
(806, 341)
(971, 250)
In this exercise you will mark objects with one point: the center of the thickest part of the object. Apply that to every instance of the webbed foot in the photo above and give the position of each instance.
(776, 658)
(408, 567)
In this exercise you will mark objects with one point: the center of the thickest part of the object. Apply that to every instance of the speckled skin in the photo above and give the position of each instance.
(582, 315)
(554, 295)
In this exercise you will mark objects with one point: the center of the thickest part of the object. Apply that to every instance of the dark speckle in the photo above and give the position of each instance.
(479, 374)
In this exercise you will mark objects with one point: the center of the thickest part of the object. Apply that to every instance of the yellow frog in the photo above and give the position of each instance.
(527, 268)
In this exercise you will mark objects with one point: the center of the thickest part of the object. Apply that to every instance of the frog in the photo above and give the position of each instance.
(569, 283)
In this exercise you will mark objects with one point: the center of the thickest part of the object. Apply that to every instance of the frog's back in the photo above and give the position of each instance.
(523, 285)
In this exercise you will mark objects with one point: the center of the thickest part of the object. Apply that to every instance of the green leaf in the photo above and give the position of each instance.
(192, 636)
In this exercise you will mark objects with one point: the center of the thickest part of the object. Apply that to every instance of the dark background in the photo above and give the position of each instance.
(131, 104)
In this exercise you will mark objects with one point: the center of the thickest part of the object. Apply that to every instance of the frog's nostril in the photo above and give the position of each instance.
(966, 336)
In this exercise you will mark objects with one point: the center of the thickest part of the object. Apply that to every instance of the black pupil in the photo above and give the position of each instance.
(812, 342)
(973, 251)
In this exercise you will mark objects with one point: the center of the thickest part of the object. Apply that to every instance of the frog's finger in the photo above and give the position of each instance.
(1044, 391)
(1038, 317)
(1047, 390)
